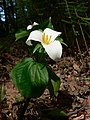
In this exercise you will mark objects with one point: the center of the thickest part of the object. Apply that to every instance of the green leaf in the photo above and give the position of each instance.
(21, 34)
(61, 40)
(30, 77)
(38, 46)
(56, 113)
(54, 83)
(50, 24)
(84, 18)
(88, 78)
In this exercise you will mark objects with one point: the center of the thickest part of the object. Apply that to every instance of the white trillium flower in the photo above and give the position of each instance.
(48, 40)
(30, 26)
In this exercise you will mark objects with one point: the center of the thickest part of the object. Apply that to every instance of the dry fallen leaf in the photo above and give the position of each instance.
(81, 117)
(76, 67)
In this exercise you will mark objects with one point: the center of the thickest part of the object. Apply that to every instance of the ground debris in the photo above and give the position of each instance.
(73, 96)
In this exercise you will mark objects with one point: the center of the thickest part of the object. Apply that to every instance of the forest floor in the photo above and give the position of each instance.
(72, 101)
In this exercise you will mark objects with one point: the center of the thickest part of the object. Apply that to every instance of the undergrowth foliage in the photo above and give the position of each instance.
(32, 76)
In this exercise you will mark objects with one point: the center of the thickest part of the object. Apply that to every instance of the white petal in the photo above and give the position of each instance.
(29, 27)
(34, 35)
(29, 43)
(52, 33)
(35, 23)
(54, 50)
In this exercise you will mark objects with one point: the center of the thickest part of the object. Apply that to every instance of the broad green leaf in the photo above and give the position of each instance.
(21, 34)
(30, 77)
(54, 82)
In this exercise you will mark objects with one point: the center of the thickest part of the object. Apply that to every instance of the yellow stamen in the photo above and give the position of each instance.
(46, 39)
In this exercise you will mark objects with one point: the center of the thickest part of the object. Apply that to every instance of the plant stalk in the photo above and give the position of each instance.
(73, 28)
(22, 109)
(81, 31)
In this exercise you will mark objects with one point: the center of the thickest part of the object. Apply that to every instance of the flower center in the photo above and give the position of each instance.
(46, 39)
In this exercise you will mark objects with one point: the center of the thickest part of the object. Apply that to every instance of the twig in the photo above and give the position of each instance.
(76, 111)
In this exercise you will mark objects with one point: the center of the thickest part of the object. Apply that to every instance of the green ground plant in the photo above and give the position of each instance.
(33, 75)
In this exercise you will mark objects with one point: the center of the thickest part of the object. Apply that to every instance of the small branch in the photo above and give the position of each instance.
(76, 111)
